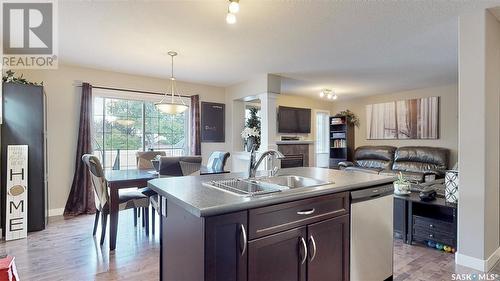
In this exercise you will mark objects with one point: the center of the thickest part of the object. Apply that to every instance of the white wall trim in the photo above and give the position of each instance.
(56, 212)
(478, 264)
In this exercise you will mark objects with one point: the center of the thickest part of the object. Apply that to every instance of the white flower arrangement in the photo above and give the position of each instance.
(249, 132)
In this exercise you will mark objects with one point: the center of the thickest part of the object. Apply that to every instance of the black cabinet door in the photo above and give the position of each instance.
(226, 247)
(328, 254)
(400, 219)
(24, 124)
(278, 257)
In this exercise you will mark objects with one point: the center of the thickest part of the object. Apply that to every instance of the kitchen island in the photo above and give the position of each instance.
(297, 234)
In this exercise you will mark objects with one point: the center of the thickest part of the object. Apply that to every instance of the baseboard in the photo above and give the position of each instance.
(478, 264)
(56, 212)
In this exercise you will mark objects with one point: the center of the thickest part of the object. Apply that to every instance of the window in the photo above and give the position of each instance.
(124, 126)
(322, 134)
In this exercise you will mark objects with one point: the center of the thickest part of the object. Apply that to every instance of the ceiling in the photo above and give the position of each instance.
(354, 47)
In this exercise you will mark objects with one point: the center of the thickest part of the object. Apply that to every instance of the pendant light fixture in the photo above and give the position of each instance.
(168, 103)
(232, 10)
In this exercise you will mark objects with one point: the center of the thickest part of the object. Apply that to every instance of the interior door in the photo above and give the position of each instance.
(278, 257)
(328, 243)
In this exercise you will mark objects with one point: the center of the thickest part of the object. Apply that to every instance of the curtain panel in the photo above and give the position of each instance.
(81, 197)
(195, 146)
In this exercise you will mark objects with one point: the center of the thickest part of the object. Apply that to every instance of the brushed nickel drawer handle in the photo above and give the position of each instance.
(431, 236)
(245, 241)
(313, 252)
(431, 225)
(306, 212)
(304, 247)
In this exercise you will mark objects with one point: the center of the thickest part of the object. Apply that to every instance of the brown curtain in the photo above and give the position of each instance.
(81, 196)
(195, 125)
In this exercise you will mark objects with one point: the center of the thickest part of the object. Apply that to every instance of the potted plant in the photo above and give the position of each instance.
(250, 135)
(402, 185)
(350, 117)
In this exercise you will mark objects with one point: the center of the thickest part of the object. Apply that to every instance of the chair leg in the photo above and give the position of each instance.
(96, 222)
(146, 216)
(135, 217)
(104, 222)
(143, 217)
(153, 218)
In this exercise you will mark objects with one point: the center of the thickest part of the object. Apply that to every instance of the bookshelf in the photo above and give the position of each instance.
(341, 141)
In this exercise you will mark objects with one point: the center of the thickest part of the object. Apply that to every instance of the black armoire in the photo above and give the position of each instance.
(24, 123)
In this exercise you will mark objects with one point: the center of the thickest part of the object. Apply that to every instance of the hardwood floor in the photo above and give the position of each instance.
(67, 251)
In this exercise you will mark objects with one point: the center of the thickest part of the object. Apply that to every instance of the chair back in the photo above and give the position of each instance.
(217, 161)
(179, 166)
(98, 180)
(144, 159)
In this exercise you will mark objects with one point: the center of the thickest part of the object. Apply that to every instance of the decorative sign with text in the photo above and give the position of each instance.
(16, 218)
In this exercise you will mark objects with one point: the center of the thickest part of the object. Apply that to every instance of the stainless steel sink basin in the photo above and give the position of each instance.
(263, 185)
(292, 181)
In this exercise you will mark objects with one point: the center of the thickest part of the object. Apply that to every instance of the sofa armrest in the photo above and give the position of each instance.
(345, 164)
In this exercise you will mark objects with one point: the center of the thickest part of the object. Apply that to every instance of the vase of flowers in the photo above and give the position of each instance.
(249, 135)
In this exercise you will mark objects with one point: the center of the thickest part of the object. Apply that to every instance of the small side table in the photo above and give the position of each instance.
(435, 220)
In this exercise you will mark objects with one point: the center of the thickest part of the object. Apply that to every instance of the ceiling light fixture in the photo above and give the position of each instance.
(234, 8)
(230, 18)
(329, 94)
(171, 107)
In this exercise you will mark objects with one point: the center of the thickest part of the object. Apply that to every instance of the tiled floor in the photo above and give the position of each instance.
(67, 251)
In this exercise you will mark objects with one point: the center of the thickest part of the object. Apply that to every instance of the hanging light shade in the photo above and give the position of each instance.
(168, 103)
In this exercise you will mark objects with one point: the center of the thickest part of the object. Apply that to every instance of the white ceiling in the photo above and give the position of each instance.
(354, 47)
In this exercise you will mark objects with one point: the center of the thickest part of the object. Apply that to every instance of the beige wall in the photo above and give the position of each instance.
(63, 113)
(448, 134)
(479, 69)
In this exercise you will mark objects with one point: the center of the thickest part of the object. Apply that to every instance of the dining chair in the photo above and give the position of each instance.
(128, 199)
(174, 167)
(217, 161)
(144, 158)
(144, 162)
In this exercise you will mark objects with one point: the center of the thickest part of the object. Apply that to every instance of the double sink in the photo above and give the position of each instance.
(264, 185)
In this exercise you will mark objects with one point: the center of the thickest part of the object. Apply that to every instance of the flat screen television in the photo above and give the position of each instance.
(292, 120)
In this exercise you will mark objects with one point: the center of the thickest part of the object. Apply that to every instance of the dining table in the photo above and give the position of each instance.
(131, 178)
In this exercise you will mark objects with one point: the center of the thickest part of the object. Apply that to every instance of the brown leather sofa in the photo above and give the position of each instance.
(414, 162)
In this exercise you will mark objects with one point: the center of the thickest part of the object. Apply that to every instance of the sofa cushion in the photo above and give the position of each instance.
(365, 170)
(377, 157)
(421, 159)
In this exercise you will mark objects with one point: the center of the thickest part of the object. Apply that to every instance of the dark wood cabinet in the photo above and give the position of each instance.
(419, 221)
(400, 218)
(328, 250)
(299, 240)
(278, 257)
(24, 123)
(226, 247)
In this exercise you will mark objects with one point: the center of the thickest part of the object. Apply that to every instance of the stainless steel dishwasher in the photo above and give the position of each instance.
(372, 234)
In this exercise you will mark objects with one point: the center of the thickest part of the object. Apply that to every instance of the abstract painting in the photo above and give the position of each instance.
(405, 119)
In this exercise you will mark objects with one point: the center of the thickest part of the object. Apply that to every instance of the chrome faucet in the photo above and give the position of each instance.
(253, 165)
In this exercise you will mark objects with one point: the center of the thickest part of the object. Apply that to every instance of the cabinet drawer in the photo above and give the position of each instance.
(435, 225)
(426, 234)
(272, 219)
